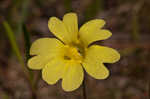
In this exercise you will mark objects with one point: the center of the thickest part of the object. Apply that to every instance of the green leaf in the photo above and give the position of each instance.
(12, 39)
(27, 46)
(27, 41)
(13, 42)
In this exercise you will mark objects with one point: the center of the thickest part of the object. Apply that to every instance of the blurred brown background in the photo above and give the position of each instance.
(129, 21)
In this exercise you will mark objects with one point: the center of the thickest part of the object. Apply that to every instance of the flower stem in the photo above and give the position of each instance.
(84, 90)
(149, 89)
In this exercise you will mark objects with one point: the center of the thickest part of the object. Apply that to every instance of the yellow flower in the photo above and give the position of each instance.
(64, 58)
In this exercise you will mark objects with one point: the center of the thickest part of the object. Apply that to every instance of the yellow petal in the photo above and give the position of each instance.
(95, 57)
(71, 23)
(60, 30)
(103, 54)
(53, 71)
(45, 46)
(96, 69)
(73, 77)
(38, 62)
(91, 31)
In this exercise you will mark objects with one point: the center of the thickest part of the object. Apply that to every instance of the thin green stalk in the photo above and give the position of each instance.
(84, 90)
(24, 14)
(149, 87)
(27, 41)
(13, 43)
(15, 48)
(135, 26)
(27, 46)
(25, 7)
(135, 20)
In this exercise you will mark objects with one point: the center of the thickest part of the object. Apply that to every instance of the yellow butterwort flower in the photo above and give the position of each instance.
(64, 58)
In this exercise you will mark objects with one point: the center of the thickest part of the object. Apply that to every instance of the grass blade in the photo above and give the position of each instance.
(12, 40)
(27, 41)
(27, 46)
(16, 50)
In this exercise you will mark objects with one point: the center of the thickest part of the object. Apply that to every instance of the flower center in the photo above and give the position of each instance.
(72, 53)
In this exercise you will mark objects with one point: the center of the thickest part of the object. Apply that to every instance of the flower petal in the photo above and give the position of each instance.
(53, 71)
(38, 62)
(71, 23)
(45, 46)
(91, 31)
(103, 54)
(95, 57)
(60, 29)
(96, 69)
(73, 77)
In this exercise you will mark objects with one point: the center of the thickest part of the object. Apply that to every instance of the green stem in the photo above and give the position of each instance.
(27, 41)
(149, 87)
(12, 39)
(135, 26)
(27, 45)
(15, 48)
(84, 90)
(27, 50)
